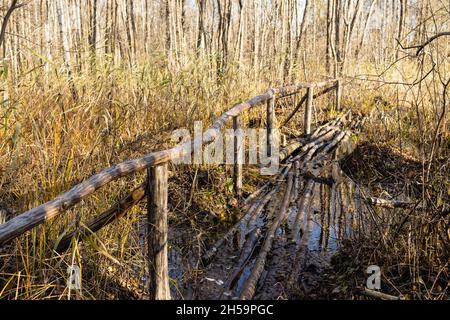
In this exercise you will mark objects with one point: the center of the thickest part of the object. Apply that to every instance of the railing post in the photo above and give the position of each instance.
(238, 155)
(308, 110)
(338, 94)
(157, 193)
(270, 124)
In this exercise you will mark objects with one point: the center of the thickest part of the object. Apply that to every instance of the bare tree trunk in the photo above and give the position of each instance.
(6, 18)
(337, 37)
(240, 36)
(201, 41)
(329, 31)
(349, 33)
(401, 20)
(130, 28)
(65, 47)
(366, 24)
(93, 32)
(302, 31)
(168, 38)
(224, 15)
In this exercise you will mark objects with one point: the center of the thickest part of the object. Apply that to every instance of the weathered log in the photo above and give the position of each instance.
(157, 194)
(303, 206)
(296, 187)
(391, 204)
(377, 294)
(246, 220)
(244, 258)
(211, 252)
(308, 111)
(323, 154)
(319, 143)
(291, 147)
(250, 285)
(315, 144)
(253, 235)
(256, 194)
(270, 125)
(238, 155)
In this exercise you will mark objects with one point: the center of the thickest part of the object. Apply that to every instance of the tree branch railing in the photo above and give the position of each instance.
(155, 189)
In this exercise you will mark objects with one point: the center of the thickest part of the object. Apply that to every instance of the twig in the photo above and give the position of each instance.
(377, 295)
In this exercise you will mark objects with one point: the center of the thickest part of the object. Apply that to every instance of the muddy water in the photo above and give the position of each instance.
(330, 218)
(326, 208)
(335, 212)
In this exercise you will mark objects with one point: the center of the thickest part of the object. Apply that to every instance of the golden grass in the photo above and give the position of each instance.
(49, 142)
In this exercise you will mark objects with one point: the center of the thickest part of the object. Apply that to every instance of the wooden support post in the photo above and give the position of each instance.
(270, 124)
(238, 155)
(338, 95)
(308, 110)
(157, 232)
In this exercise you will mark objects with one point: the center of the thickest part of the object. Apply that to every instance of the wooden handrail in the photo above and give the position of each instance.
(36, 216)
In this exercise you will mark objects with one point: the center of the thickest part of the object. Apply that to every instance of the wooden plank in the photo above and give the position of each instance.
(308, 111)
(158, 232)
(238, 155)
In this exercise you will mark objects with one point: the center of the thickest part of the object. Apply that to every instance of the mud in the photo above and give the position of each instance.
(335, 212)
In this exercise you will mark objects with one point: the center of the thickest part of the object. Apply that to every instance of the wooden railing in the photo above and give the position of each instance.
(156, 186)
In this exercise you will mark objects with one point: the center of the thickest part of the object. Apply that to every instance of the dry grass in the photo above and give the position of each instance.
(50, 142)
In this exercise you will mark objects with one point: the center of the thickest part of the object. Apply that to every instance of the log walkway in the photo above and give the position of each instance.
(308, 164)
(295, 223)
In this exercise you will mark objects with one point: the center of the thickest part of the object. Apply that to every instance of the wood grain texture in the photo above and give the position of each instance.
(270, 125)
(308, 110)
(239, 154)
(249, 287)
(158, 232)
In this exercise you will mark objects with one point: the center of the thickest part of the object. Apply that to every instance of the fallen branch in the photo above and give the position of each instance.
(377, 295)
(390, 204)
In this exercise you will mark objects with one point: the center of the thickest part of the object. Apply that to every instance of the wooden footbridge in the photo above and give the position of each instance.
(303, 159)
